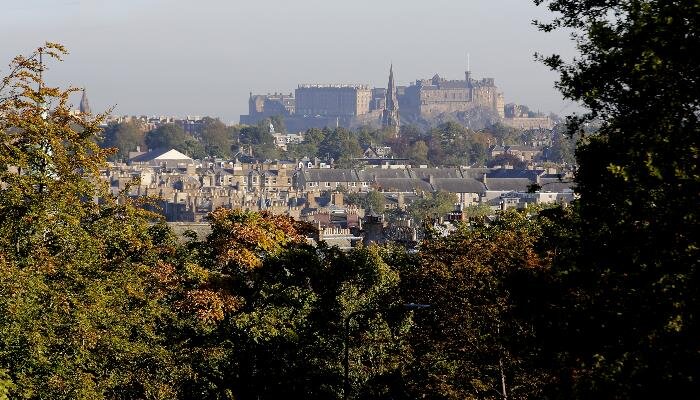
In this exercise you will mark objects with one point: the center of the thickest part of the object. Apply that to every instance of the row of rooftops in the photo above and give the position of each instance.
(406, 180)
(455, 180)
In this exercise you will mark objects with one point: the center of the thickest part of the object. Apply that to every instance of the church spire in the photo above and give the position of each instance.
(390, 116)
(84, 104)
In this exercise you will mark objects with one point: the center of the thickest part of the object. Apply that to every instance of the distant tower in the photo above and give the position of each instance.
(84, 104)
(390, 115)
(468, 73)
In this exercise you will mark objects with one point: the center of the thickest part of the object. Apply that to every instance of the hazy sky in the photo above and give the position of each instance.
(203, 57)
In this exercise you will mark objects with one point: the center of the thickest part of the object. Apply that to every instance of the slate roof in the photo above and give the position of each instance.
(515, 173)
(555, 185)
(330, 175)
(369, 175)
(403, 185)
(475, 172)
(425, 173)
(508, 184)
(456, 185)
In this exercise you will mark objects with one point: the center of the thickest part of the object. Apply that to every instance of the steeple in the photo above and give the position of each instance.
(84, 104)
(391, 102)
(390, 115)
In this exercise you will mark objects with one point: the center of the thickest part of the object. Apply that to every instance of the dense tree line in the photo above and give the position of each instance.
(215, 139)
(448, 144)
(100, 300)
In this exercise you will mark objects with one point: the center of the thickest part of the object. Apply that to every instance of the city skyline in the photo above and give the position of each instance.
(170, 57)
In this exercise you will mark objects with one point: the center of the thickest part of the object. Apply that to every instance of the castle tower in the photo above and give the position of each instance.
(390, 115)
(468, 72)
(84, 104)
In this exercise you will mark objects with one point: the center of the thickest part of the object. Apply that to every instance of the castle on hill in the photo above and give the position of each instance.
(318, 105)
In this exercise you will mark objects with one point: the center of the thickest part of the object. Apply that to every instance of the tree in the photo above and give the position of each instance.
(375, 200)
(277, 122)
(563, 148)
(503, 134)
(81, 306)
(261, 140)
(172, 136)
(166, 136)
(507, 159)
(476, 341)
(216, 138)
(434, 205)
(268, 313)
(418, 152)
(631, 290)
(125, 136)
(341, 145)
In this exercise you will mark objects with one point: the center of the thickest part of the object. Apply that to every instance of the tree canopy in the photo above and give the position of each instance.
(632, 285)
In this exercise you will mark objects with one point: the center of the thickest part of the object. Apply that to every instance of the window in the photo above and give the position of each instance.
(328, 184)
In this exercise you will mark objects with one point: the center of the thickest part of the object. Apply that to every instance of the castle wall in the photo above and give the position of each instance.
(529, 123)
(336, 100)
(440, 96)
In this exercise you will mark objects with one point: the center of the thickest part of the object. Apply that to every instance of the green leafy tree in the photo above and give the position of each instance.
(631, 291)
(309, 147)
(563, 146)
(434, 205)
(172, 136)
(504, 135)
(418, 152)
(268, 313)
(375, 200)
(507, 159)
(478, 211)
(81, 305)
(216, 138)
(475, 341)
(341, 145)
(126, 137)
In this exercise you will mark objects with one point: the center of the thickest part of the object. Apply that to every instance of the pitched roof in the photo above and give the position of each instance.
(404, 185)
(425, 173)
(369, 175)
(459, 185)
(556, 185)
(508, 184)
(330, 175)
(161, 155)
(530, 174)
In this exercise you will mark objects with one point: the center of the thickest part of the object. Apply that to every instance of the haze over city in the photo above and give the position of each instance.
(180, 57)
(359, 199)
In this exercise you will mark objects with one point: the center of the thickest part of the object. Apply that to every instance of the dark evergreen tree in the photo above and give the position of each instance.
(631, 291)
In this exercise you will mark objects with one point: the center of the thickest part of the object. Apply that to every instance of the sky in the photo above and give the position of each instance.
(204, 57)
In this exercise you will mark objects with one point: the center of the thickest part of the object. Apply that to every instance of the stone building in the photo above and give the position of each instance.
(263, 106)
(520, 117)
(430, 97)
(333, 100)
